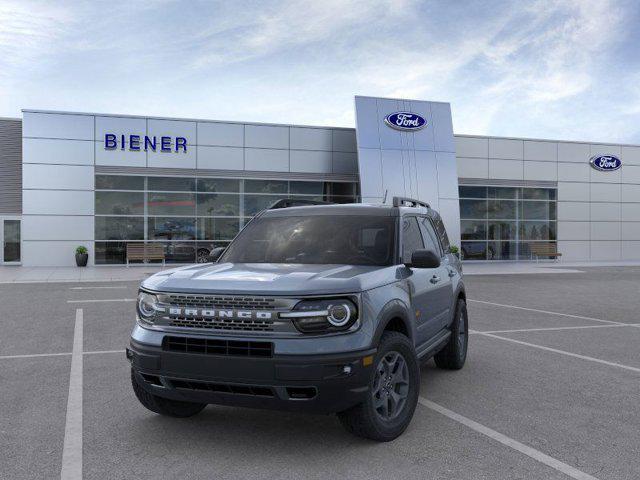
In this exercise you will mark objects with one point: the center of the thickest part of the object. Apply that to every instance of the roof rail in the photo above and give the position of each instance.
(295, 202)
(409, 202)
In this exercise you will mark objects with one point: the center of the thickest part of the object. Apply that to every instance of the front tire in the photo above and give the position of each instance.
(454, 354)
(393, 392)
(164, 406)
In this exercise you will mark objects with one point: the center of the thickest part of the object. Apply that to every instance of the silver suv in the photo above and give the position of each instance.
(314, 308)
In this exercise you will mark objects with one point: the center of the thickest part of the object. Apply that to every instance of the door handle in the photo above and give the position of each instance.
(435, 279)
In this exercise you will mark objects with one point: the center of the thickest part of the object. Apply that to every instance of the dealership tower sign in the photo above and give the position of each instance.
(405, 121)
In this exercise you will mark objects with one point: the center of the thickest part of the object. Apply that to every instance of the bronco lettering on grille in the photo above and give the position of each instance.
(215, 313)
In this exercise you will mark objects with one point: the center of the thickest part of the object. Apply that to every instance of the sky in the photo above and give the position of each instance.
(540, 69)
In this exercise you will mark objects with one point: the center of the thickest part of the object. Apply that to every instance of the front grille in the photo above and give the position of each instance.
(207, 346)
(254, 390)
(218, 301)
(222, 324)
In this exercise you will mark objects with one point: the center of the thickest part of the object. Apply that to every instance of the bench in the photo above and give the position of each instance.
(144, 252)
(544, 250)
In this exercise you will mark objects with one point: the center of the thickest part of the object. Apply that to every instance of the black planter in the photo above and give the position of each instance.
(81, 259)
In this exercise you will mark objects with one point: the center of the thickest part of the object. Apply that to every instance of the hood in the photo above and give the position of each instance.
(270, 279)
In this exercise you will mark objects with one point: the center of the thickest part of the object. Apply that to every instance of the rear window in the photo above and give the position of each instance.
(442, 233)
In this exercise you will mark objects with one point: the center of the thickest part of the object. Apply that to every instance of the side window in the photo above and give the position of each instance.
(411, 238)
(442, 233)
(430, 239)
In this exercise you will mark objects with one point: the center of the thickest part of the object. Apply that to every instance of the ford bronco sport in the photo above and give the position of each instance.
(315, 308)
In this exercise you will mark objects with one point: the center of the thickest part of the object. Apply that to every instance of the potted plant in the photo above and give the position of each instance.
(82, 256)
(455, 250)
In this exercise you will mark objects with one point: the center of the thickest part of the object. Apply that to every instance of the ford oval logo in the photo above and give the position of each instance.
(405, 121)
(605, 163)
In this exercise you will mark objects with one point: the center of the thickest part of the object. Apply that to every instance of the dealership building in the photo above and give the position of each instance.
(106, 181)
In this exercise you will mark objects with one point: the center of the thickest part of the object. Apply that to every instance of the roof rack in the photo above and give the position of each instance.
(409, 202)
(295, 202)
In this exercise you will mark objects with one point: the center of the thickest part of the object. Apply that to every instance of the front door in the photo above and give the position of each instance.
(10, 240)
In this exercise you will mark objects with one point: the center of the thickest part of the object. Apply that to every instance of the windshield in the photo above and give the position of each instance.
(350, 240)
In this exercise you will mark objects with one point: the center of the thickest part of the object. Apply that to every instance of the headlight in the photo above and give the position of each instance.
(323, 315)
(146, 306)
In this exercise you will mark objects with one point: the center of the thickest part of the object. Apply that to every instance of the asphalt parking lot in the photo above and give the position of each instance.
(551, 390)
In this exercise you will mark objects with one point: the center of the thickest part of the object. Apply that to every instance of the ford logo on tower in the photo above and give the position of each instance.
(605, 163)
(405, 121)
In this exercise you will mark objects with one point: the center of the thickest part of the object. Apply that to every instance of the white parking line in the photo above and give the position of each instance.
(561, 352)
(547, 312)
(99, 287)
(33, 355)
(509, 442)
(72, 449)
(550, 329)
(99, 352)
(103, 300)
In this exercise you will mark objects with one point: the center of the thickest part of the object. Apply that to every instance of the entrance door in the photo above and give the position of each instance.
(10, 238)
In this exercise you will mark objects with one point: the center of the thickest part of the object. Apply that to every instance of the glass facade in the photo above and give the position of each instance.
(501, 223)
(189, 216)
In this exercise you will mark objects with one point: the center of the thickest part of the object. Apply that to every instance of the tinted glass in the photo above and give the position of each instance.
(473, 230)
(256, 203)
(119, 182)
(502, 230)
(340, 188)
(537, 231)
(218, 204)
(119, 203)
(119, 228)
(168, 228)
(265, 186)
(441, 232)
(473, 209)
(502, 192)
(171, 204)
(351, 240)
(472, 192)
(171, 184)
(411, 238)
(218, 228)
(218, 185)
(532, 210)
(308, 188)
(474, 250)
(501, 209)
(111, 252)
(538, 194)
(501, 251)
(429, 236)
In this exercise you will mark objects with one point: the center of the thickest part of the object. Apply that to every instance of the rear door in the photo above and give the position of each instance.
(422, 288)
(443, 294)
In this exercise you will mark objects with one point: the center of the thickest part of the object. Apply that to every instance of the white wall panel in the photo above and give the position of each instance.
(631, 231)
(344, 141)
(120, 126)
(573, 251)
(630, 155)
(266, 160)
(630, 193)
(630, 250)
(605, 251)
(425, 139)
(605, 177)
(266, 136)
(630, 212)
(220, 134)
(547, 151)
(52, 253)
(172, 128)
(573, 231)
(506, 169)
(120, 158)
(575, 211)
(473, 147)
(605, 231)
(473, 167)
(69, 152)
(55, 125)
(390, 138)
(442, 127)
(605, 150)
(54, 227)
(547, 171)
(630, 174)
(427, 176)
(574, 172)
(173, 159)
(311, 138)
(57, 202)
(506, 149)
(310, 161)
(344, 162)
(450, 211)
(573, 192)
(220, 158)
(393, 178)
(65, 177)
(367, 122)
(574, 152)
(605, 212)
(371, 182)
(447, 175)
(602, 192)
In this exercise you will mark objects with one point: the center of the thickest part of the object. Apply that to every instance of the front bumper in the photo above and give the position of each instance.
(326, 383)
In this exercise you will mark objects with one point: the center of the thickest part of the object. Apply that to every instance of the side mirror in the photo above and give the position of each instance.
(424, 259)
(216, 253)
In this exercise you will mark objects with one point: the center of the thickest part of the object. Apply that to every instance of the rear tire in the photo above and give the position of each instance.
(454, 354)
(164, 406)
(393, 392)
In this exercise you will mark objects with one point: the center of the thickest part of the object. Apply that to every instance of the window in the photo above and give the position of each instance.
(119, 203)
(503, 225)
(429, 235)
(441, 232)
(411, 238)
